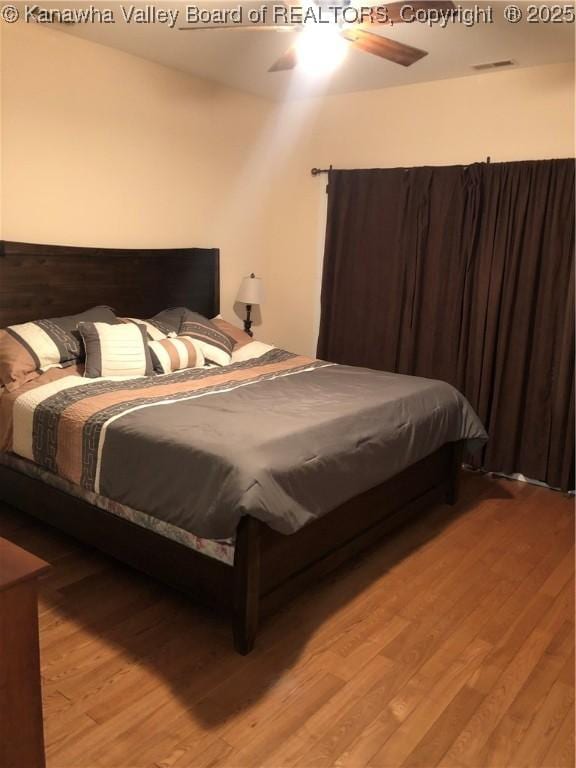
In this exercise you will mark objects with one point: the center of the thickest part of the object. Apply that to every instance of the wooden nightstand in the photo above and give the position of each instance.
(21, 731)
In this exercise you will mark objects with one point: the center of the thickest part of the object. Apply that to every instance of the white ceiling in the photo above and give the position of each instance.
(240, 58)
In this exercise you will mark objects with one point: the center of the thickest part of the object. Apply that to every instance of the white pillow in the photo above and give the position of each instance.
(216, 345)
(250, 351)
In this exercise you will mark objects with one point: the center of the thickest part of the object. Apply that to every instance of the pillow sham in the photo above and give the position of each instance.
(240, 337)
(115, 350)
(156, 331)
(216, 345)
(250, 351)
(175, 354)
(170, 319)
(29, 349)
(164, 324)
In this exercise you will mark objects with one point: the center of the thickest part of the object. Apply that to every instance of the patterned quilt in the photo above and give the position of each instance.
(282, 437)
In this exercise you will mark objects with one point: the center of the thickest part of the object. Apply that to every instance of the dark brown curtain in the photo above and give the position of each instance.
(465, 274)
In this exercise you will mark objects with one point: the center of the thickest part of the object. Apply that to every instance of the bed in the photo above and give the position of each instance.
(287, 497)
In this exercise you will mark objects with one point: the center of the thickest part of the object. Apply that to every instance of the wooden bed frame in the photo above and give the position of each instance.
(269, 568)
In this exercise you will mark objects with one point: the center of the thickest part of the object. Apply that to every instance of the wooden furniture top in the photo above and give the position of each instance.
(54, 280)
(17, 565)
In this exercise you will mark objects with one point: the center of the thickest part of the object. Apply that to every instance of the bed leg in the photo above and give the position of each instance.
(246, 585)
(453, 484)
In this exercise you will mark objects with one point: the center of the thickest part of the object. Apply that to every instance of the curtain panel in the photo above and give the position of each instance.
(466, 274)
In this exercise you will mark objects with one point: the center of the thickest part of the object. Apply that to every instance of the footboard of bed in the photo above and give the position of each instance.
(208, 581)
(271, 568)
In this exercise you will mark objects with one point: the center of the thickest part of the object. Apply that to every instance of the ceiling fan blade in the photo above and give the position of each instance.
(399, 53)
(285, 62)
(394, 9)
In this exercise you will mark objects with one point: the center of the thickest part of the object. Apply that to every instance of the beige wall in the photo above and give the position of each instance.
(103, 148)
(515, 115)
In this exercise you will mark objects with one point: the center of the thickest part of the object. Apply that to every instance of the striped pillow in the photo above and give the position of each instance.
(28, 349)
(115, 350)
(216, 345)
(176, 354)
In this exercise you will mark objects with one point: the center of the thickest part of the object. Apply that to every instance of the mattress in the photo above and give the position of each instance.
(281, 437)
(218, 550)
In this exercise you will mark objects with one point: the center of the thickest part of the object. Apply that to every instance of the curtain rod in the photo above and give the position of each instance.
(318, 171)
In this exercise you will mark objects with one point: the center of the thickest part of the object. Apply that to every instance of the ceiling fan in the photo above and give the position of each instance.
(356, 34)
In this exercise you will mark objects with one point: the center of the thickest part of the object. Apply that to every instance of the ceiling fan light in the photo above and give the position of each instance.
(320, 49)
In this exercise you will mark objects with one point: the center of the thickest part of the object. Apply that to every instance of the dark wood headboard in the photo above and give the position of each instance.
(38, 281)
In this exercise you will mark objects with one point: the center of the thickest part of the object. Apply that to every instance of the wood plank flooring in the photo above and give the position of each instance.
(451, 644)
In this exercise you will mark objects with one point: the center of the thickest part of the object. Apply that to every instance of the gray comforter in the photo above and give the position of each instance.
(282, 438)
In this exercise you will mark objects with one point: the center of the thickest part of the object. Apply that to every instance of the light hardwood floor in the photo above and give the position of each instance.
(451, 644)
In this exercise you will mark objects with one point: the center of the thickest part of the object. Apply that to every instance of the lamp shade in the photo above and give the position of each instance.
(251, 290)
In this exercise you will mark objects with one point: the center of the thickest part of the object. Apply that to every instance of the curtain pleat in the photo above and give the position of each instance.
(465, 274)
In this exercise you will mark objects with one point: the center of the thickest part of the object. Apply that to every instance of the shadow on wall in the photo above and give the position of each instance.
(255, 314)
(145, 660)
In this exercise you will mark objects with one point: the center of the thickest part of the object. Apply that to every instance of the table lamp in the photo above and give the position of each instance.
(250, 292)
